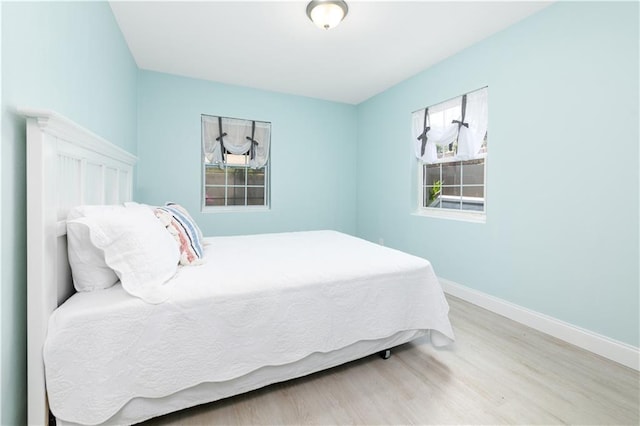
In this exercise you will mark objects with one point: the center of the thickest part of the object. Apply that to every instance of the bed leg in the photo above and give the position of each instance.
(386, 354)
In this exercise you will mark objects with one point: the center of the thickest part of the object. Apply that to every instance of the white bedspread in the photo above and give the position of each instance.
(258, 300)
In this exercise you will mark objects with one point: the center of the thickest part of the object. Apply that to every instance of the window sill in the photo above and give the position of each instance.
(234, 209)
(463, 216)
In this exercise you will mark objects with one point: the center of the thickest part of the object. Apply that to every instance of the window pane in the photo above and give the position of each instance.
(255, 196)
(451, 190)
(451, 173)
(214, 176)
(214, 196)
(473, 172)
(239, 159)
(473, 198)
(473, 191)
(235, 196)
(431, 174)
(451, 203)
(256, 177)
(432, 196)
(448, 151)
(473, 205)
(236, 175)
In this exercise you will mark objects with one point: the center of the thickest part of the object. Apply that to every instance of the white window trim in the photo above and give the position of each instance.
(459, 215)
(234, 209)
(237, 208)
(452, 214)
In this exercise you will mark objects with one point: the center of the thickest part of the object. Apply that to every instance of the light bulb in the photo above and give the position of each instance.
(327, 15)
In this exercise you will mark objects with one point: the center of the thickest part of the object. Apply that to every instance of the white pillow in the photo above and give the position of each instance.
(137, 247)
(88, 268)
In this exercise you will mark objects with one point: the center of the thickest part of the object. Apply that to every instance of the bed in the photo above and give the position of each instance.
(256, 310)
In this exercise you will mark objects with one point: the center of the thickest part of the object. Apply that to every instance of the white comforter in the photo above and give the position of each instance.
(258, 300)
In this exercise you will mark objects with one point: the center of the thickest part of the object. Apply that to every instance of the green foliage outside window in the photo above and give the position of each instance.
(435, 190)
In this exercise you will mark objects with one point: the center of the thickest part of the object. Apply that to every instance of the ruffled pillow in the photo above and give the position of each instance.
(88, 268)
(136, 247)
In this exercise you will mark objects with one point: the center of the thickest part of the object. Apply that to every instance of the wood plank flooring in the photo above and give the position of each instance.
(497, 372)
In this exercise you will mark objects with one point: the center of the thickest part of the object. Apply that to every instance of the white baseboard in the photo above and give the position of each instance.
(614, 350)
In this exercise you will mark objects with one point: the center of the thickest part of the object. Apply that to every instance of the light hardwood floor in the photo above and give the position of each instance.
(497, 372)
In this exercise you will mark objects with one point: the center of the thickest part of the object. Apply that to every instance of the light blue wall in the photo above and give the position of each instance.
(71, 58)
(313, 150)
(1, 315)
(561, 236)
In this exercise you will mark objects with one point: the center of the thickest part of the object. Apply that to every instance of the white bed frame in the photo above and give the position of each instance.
(67, 165)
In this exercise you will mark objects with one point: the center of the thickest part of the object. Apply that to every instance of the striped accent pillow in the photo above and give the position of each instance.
(185, 231)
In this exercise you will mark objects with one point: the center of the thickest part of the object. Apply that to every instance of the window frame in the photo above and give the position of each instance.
(447, 213)
(237, 207)
(234, 208)
(444, 213)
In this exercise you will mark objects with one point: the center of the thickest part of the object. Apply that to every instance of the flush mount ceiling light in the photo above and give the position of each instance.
(327, 14)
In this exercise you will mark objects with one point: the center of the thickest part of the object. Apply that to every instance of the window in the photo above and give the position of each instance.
(450, 140)
(235, 163)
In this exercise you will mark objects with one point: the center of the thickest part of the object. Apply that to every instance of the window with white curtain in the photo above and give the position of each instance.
(235, 163)
(450, 142)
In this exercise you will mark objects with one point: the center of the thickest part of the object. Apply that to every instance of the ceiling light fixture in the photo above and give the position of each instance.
(327, 14)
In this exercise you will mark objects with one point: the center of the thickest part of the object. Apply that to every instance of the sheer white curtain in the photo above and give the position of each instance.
(470, 138)
(237, 140)
(442, 130)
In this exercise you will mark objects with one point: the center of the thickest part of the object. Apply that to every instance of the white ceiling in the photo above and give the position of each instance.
(272, 45)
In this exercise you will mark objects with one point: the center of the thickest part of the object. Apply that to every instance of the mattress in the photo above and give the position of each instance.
(257, 301)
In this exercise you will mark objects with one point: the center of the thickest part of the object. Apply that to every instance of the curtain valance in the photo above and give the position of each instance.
(235, 136)
(463, 119)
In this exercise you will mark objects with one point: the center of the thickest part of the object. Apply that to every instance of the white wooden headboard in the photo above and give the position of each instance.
(67, 165)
